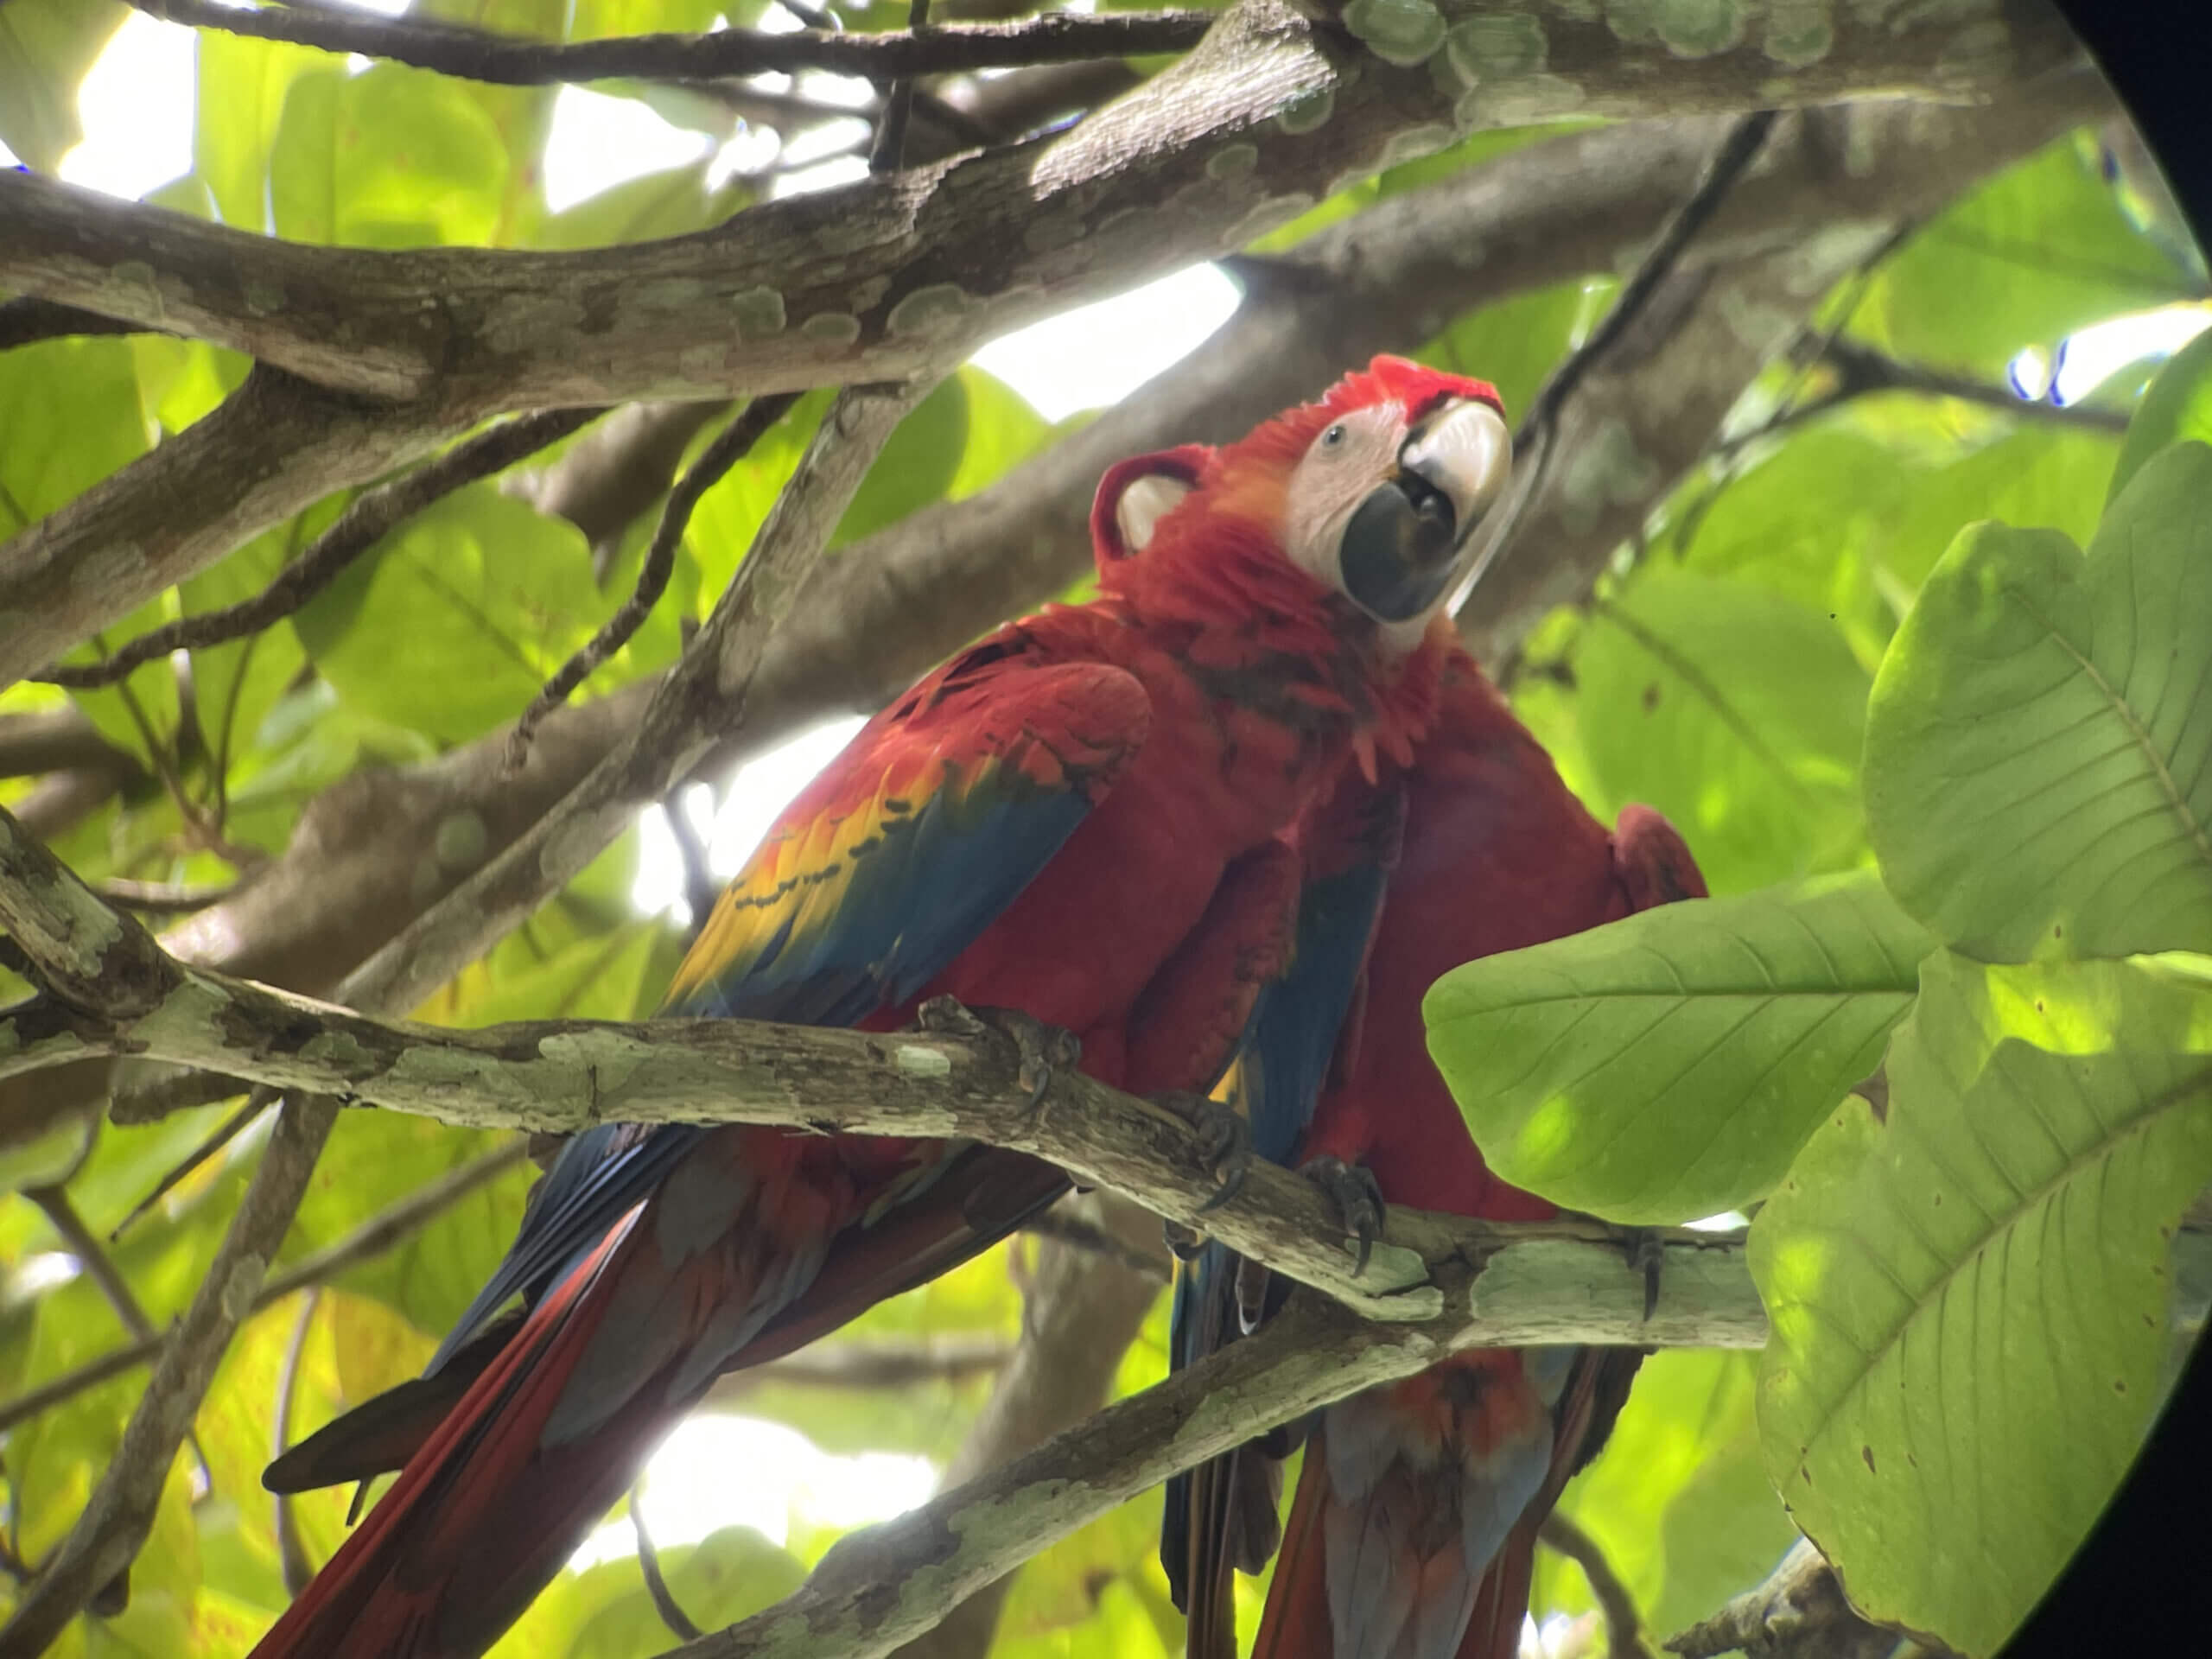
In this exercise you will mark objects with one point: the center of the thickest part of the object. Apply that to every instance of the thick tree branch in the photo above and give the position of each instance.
(565, 1076)
(891, 276)
(507, 61)
(274, 447)
(888, 276)
(1799, 1612)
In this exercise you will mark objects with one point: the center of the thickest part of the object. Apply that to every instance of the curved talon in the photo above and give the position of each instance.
(1041, 1049)
(1646, 1253)
(1184, 1244)
(1359, 1200)
(1224, 1140)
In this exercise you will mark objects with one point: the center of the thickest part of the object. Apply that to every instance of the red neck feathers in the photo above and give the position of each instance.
(1215, 578)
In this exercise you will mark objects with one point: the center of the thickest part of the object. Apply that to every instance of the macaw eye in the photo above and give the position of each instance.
(1334, 437)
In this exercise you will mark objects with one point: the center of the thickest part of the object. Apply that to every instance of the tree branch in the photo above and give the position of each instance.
(108, 1536)
(1800, 1612)
(730, 446)
(1624, 1626)
(366, 521)
(890, 277)
(506, 60)
(372, 1239)
(1082, 1307)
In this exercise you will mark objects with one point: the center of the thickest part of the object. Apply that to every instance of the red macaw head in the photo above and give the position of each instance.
(1374, 490)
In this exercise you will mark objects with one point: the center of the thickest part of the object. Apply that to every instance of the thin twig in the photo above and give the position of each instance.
(138, 1104)
(1624, 1626)
(259, 1099)
(80, 1241)
(366, 520)
(735, 441)
(372, 1237)
(291, 1553)
(161, 898)
(700, 887)
(1534, 442)
(475, 54)
(664, 1602)
(888, 153)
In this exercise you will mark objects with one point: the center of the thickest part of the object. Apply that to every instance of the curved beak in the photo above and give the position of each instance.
(1403, 545)
(1463, 450)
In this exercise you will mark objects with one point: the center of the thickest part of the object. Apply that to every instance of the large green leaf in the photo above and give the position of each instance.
(70, 409)
(1668, 1066)
(2037, 744)
(1735, 712)
(392, 158)
(725, 1577)
(242, 86)
(235, 684)
(1969, 1291)
(46, 47)
(1514, 344)
(2178, 406)
(1679, 1502)
(484, 596)
(2038, 251)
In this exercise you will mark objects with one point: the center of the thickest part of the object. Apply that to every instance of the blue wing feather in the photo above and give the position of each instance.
(925, 828)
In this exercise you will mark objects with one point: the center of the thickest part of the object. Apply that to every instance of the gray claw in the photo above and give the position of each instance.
(1646, 1253)
(1184, 1244)
(1358, 1198)
(1224, 1140)
(1041, 1048)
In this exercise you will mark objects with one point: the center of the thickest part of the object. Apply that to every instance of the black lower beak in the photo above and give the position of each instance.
(1399, 549)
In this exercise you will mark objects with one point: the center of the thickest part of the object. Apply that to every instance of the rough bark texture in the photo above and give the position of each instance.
(383, 354)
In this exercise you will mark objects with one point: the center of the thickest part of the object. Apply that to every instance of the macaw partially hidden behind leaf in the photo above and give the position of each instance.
(1078, 819)
(1414, 1528)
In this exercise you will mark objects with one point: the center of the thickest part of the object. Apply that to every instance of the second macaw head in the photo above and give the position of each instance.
(1375, 490)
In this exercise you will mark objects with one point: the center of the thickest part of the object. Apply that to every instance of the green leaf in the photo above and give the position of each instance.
(2036, 742)
(667, 203)
(1678, 1501)
(1514, 344)
(726, 1576)
(917, 465)
(2038, 251)
(234, 685)
(1970, 1294)
(70, 409)
(2177, 406)
(46, 47)
(1737, 714)
(244, 84)
(1668, 1066)
(488, 596)
(392, 158)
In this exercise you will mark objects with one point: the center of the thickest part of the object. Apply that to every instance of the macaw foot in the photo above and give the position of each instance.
(1359, 1200)
(1646, 1253)
(1224, 1139)
(1042, 1049)
(1184, 1244)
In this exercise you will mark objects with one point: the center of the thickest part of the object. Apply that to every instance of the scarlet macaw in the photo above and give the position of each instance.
(1079, 818)
(1413, 1528)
